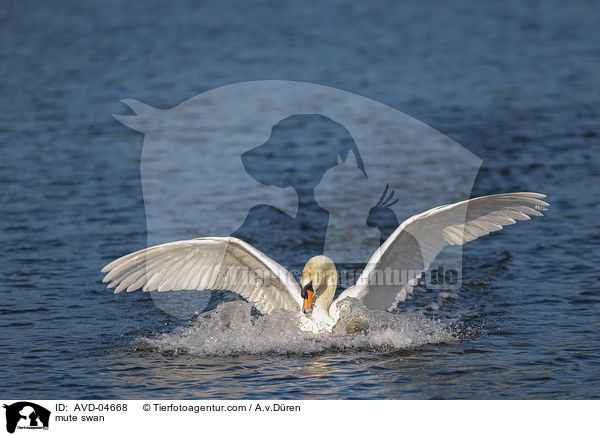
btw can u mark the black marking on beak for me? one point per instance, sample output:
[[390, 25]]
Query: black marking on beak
[[307, 287]]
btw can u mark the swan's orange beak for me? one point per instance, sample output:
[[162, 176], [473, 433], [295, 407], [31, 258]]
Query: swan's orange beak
[[307, 305]]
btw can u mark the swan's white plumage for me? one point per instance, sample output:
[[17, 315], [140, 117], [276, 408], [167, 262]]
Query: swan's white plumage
[[212, 263], [414, 245], [207, 263]]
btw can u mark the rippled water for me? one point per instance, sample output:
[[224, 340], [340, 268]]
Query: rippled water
[[515, 83]]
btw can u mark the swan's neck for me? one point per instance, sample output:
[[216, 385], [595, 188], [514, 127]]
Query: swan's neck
[[325, 299], [320, 273]]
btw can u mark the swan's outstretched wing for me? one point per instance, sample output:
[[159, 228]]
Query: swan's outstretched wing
[[208, 263], [417, 241]]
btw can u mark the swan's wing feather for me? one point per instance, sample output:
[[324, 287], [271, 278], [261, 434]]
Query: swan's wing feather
[[417, 241], [207, 263]]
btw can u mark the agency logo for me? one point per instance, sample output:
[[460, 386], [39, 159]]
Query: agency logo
[[26, 415], [297, 169]]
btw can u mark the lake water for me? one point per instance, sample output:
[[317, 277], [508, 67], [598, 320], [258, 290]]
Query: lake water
[[515, 83]]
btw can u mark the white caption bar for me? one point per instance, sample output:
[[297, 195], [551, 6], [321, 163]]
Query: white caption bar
[[166, 417]]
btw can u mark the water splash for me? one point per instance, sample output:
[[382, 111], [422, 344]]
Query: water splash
[[233, 329]]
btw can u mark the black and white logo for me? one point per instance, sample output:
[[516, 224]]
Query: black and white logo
[[26, 415]]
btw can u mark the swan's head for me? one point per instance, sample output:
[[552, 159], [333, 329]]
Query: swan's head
[[319, 282]]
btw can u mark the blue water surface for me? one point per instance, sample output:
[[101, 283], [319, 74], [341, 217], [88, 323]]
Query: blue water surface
[[514, 82]]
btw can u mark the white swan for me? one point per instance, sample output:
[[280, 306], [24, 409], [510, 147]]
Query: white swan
[[227, 263]]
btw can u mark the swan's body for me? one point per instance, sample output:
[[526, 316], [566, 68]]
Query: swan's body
[[227, 263]]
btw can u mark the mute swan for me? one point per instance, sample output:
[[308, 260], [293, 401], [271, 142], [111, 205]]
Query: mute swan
[[227, 263]]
